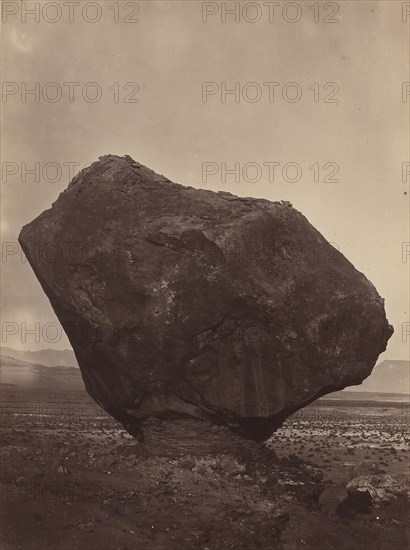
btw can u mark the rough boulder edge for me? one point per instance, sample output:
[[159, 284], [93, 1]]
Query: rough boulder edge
[[183, 303]]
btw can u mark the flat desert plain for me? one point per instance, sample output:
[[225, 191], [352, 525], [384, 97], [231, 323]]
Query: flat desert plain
[[71, 477]]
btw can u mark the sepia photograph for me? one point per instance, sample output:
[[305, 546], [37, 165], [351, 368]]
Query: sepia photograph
[[205, 251]]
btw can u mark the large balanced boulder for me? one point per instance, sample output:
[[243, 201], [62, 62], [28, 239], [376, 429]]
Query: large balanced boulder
[[185, 303]]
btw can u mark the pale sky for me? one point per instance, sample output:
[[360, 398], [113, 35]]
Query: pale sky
[[169, 53]]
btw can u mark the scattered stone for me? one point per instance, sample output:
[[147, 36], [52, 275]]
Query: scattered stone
[[230, 465], [364, 468], [62, 469], [365, 493], [281, 516], [381, 488]]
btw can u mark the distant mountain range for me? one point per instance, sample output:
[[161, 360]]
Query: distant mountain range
[[55, 368], [23, 374], [389, 376], [46, 357], [381, 397]]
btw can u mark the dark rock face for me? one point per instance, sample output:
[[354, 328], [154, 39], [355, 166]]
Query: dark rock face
[[185, 303]]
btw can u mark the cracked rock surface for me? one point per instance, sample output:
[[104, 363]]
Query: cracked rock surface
[[183, 303]]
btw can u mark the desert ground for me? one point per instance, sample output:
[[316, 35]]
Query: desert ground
[[71, 477]]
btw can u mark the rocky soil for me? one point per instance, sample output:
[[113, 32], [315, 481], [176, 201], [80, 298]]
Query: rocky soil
[[72, 477]]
